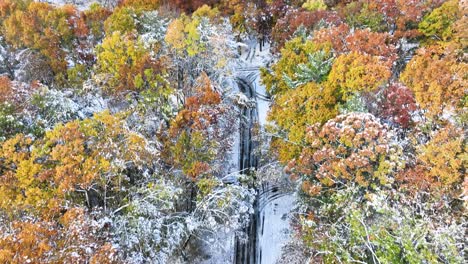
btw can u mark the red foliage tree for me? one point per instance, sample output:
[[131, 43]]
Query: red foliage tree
[[397, 105], [290, 23], [345, 40], [189, 6], [6, 90]]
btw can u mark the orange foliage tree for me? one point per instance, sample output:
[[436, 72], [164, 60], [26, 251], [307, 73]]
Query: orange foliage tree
[[349, 149], [345, 40], [196, 132], [438, 77], [292, 21], [83, 161], [74, 238]]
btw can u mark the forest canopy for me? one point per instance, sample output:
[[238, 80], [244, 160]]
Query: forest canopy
[[125, 127]]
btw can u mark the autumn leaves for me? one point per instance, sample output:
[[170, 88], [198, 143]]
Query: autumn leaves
[[368, 143]]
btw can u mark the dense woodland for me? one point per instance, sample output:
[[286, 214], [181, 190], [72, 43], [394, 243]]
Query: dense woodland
[[118, 120]]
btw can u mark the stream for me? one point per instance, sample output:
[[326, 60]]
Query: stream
[[268, 228]]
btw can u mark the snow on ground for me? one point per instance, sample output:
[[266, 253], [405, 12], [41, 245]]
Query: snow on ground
[[275, 230], [221, 253]]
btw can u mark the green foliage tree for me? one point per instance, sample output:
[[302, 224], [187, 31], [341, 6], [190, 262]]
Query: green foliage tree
[[296, 53], [439, 23], [121, 20]]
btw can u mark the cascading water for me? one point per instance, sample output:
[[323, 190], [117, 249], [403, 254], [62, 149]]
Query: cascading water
[[245, 251], [269, 225]]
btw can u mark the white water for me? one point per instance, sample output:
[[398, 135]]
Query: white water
[[273, 223], [276, 228]]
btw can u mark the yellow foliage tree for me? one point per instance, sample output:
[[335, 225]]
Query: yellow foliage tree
[[294, 110], [445, 156], [183, 33], [355, 72], [70, 160], [141, 4], [23, 181], [122, 20], [175, 33], [125, 64]]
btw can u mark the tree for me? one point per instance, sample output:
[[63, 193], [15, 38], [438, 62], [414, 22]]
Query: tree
[[295, 110], [361, 14], [7, 7], [334, 36], [6, 91], [296, 21], [197, 136], [75, 237], [437, 78], [444, 156], [347, 171], [126, 65], [315, 70], [296, 52], [199, 44], [349, 149], [84, 161], [59, 36], [122, 20], [344, 40], [100, 164], [235, 9], [146, 5], [175, 36], [43, 28], [185, 36], [313, 5], [398, 104], [21, 185], [399, 17], [439, 23], [189, 6], [355, 72], [372, 43], [154, 228], [94, 17]]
